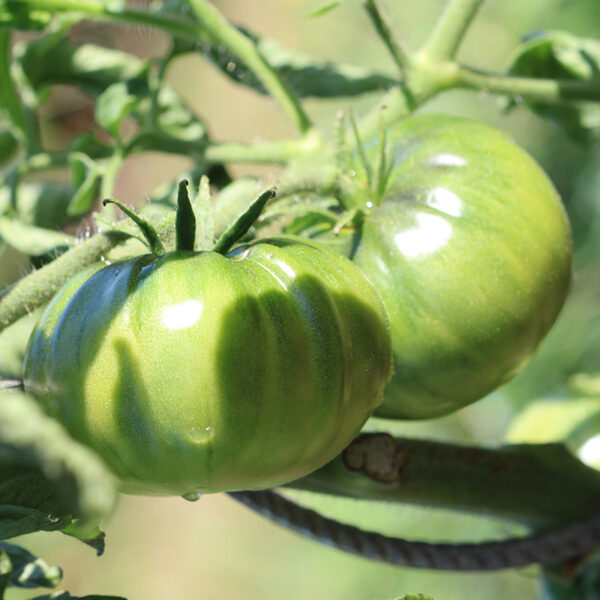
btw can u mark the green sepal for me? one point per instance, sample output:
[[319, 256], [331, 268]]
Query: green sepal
[[243, 223], [362, 155], [185, 221], [152, 239]]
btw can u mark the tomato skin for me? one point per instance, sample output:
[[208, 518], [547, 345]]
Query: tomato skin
[[470, 251], [197, 372]]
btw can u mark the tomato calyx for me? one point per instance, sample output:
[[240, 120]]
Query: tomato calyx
[[186, 223], [152, 240], [243, 223], [367, 173]]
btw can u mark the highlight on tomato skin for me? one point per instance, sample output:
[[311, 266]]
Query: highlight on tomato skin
[[470, 249], [196, 372]]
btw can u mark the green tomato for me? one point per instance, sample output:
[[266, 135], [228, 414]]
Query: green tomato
[[470, 249], [196, 372]]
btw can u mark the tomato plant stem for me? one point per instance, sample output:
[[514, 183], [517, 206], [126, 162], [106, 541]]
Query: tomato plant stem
[[449, 31], [10, 102], [544, 90], [39, 286], [222, 32], [384, 29], [539, 485]]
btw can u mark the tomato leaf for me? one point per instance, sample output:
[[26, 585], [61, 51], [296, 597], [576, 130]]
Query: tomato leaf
[[307, 76], [53, 59], [46, 478], [561, 56], [40, 203], [9, 145], [85, 175], [116, 103], [5, 572], [177, 119], [32, 240], [29, 571], [91, 537], [16, 15]]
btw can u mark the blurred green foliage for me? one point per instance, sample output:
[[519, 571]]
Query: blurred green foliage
[[166, 548]]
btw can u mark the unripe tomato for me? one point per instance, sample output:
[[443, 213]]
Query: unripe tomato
[[470, 249], [196, 372]]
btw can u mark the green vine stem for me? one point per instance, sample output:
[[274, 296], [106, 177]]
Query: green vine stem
[[550, 91], [449, 31], [39, 286], [223, 32], [98, 11], [386, 33], [10, 102], [539, 485], [279, 152]]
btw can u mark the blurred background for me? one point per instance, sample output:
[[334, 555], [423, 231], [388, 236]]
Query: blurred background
[[168, 548]]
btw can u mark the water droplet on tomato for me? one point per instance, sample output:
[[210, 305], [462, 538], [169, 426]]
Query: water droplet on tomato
[[199, 435], [192, 496]]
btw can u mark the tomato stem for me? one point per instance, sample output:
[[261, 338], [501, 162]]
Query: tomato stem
[[185, 222], [153, 241], [243, 223]]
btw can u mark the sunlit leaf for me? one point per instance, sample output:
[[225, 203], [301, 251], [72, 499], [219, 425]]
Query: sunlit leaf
[[17, 15], [53, 59], [42, 203], [563, 57], [85, 176], [116, 103], [32, 240], [305, 75], [29, 571], [46, 478]]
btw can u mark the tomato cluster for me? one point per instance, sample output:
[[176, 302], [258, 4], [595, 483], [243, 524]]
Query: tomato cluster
[[198, 372]]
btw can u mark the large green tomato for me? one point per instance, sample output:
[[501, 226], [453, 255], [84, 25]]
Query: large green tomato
[[470, 250], [196, 372]]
